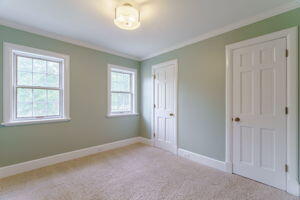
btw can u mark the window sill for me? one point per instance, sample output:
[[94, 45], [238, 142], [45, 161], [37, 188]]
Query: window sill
[[45, 121], [121, 115]]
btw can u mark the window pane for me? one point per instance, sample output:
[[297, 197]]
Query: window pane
[[24, 109], [24, 64], [39, 79], [39, 66], [24, 78], [120, 102], [52, 80], [120, 82], [24, 102], [53, 68], [39, 102], [39, 109], [53, 108], [24, 95], [53, 96], [39, 95], [53, 102]]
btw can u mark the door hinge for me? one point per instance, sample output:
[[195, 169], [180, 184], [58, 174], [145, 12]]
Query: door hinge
[[286, 168], [286, 110], [286, 53], [154, 106], [154, 76], [153, 134]]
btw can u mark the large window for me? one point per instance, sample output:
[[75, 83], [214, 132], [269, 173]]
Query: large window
[[36, 85], [122, 91]]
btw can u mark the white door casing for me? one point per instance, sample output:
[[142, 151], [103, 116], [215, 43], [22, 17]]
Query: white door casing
[[164, 126], [257, 92]]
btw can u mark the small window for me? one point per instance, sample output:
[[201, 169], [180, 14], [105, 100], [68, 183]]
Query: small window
[[36, 86], [122, 91]]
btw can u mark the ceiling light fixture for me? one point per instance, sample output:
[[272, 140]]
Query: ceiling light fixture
[[127, 17]]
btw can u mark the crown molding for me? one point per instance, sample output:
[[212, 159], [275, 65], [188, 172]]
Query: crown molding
[[52, 35], [273, 12], [284, 8]]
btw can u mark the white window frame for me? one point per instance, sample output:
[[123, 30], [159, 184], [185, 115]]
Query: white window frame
[[133, 72], [10, 51]]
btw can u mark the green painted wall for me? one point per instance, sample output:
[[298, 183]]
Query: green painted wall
[[88, 126], [201, 100]]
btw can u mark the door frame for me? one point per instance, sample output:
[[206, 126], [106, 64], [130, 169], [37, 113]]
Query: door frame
[[291, 35], [154, 67]]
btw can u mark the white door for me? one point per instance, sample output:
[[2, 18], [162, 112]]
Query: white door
[[259, 102], [165, 80]]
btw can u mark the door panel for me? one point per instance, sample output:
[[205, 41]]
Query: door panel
[[164, 100], [247, 92], [246, 145], [161, 129], [267, 145], [267, 83], [170, 131], [259, 100]]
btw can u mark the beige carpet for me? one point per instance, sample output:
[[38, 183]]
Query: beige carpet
[[134, 172]]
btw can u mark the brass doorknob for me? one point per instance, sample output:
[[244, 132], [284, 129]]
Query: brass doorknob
[[237, 119], [171, 114]]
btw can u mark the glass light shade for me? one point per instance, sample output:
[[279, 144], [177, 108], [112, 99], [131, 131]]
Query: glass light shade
[[127, 17]]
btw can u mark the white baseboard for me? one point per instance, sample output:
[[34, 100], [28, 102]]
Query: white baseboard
[[293, 187], [43, 162], [229, 167], [203, 160]]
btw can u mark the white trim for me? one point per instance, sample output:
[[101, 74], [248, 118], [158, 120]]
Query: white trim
[[56, 36], [134, 85], [204, 160], [174, 62], [264, 15], [122, 115], [9, 50], [44, 121], [291, 35], [51, 160]]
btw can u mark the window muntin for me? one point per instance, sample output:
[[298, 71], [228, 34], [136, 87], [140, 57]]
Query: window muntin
[[37, 87], [122, 97], [37, 72]]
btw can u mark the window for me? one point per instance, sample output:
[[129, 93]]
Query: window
[[122, 98], [36, 86]]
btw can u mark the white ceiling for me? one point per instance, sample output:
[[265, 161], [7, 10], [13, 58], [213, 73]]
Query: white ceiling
[[164, 23]]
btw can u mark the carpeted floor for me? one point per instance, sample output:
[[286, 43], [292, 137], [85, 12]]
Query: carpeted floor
[[136, 172]]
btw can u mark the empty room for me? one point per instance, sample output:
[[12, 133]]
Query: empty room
[[149, 100]]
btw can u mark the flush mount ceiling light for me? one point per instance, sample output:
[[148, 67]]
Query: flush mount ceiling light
[[127, 17]]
